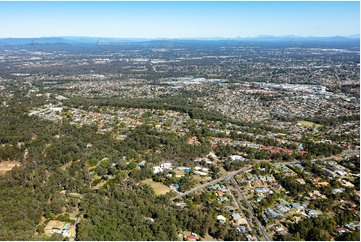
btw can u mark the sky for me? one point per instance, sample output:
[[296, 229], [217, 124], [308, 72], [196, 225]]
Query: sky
[[178, 19]]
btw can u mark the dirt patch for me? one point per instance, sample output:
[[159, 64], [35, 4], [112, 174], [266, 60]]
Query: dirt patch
[[99, 185], [7, 166], [65, 166]]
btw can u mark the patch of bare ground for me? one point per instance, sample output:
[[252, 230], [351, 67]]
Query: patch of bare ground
[[7, 166]]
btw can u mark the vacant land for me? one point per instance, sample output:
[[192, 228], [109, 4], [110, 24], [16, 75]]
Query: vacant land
[[309, 124], [159, 188], [7, 166]]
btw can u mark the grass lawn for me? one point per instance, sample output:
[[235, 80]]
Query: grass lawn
[[181, 173], [159, 188], [53, 224], [72, 216], [197, 177], [309, 124], [223, 171], [72, 231], [238, 177]]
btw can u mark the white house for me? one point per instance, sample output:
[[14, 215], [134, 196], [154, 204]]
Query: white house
[[157, 169], [201, 173], [236, 158], [221, 218], [166, 166]]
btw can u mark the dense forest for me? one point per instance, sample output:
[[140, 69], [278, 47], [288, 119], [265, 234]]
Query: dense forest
[[133, 212], [32, 189], [317, 229]]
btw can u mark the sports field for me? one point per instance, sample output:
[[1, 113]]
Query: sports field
[[309, 124]]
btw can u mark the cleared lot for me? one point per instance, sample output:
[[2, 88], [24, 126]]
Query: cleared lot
[[7, 166], [159, 188]]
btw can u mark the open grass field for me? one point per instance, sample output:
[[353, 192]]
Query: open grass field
[[197, 177], [159, 188], [222, 171], [7, 166], [53, 224], [309, 124], [179, 173]]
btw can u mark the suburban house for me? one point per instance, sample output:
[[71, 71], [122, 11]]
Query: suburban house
[[311, 213], [221, 218], [237, 158]]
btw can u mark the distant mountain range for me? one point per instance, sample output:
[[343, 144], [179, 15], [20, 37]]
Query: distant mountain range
[[94, 40]]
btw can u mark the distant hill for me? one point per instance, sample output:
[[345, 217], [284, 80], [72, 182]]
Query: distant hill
[[85, 44], [94, 40]]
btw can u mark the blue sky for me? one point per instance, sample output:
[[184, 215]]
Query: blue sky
[[178, 19]]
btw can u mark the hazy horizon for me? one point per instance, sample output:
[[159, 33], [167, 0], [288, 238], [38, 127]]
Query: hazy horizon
[[178, 19], [185, 38]]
